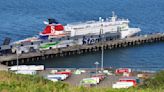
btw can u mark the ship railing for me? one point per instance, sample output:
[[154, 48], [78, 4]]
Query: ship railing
[[123, 20], [81, 23], [118, 19], [97, 24]]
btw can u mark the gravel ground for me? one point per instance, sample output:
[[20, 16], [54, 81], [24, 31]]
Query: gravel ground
[[74, 80]]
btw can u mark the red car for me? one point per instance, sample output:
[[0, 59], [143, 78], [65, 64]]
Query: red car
[[122, 70], [67, 73]]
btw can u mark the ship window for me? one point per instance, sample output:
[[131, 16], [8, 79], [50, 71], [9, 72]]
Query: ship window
[[22, 52], [32, 43], [41, 42], [21, 44], [118, 36], [64, 38], [68, 38], [59, 49], [15, 52], [111, 38], [50, 40], [31, 49]]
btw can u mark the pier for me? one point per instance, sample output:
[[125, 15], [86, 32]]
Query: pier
[[10, 59]]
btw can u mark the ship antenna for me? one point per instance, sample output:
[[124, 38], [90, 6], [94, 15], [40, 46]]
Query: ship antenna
[[114, 17], [113, 13], [100, 19]]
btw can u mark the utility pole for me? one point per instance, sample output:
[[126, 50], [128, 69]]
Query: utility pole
[[17, 56], [102, 58], [102, 47], [96, 63]]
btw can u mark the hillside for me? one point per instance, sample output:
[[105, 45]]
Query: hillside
[[10, 82]]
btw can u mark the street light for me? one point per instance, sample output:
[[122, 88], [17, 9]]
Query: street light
[[102, 47], [102, 58], [17, 56], [96, 63]]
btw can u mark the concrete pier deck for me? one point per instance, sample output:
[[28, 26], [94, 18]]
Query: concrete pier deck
[[78, 49]]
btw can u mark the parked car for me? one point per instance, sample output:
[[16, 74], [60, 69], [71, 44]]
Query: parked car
[[64, 72], [62, 76], [29, 72]]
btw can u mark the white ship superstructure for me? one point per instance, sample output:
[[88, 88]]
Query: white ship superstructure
[[112, 25]]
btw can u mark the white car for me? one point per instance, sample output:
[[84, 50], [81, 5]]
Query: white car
[[62, 76], [29, 72], [52, 79]]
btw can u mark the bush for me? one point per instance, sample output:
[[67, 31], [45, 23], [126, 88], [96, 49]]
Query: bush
[[10, 82], [155, 82]]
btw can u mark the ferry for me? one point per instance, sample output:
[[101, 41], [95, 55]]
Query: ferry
[[111, 25], [56, 35]]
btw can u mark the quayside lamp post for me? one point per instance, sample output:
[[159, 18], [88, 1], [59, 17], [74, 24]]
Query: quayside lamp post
[[102, 47], [17, 54], [96, 63], [102, 58]]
